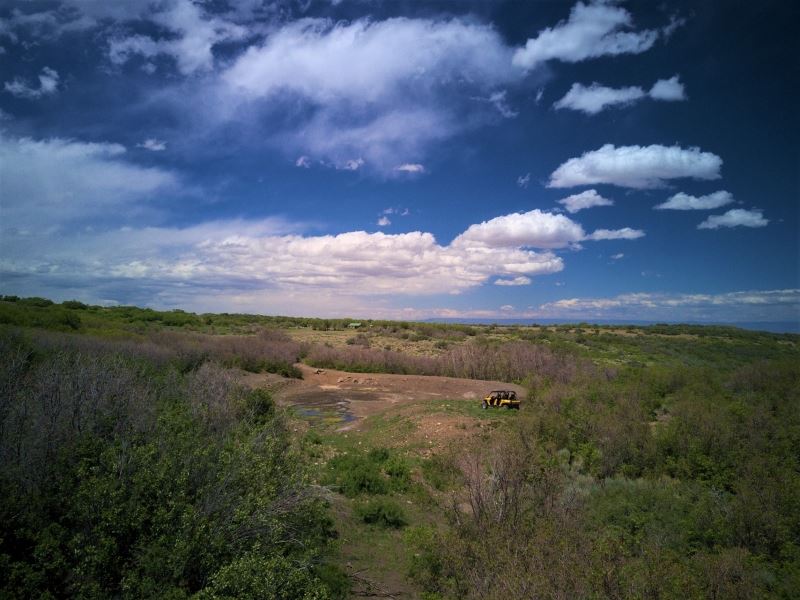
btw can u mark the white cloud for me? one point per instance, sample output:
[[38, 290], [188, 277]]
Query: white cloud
[[361, 96], [524, 180], [246, 256], [153, 144], [681, 201], [359, 61], [533, 229], [196, 35], [757, 305], [384, 221], [596, 98], [593, 99], [586, 199], [498, 100], [385, 140], [121, 49], [303, 161], [521, 280], [56, 180], [638, 167], [626, 233], [736, 217], [403, 212], [592, 30], [507, 308], [536, 229], [668, 89], [410, 168], [353, 164], [48, 85], [617, 256]]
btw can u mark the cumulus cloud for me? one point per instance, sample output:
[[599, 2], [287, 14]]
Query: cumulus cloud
[[617, 256], [681, 201], [524, 180], [153, 144], [668, 89], [586, 199], [303, 161], [536, 229], [736, 217], [56, 180], [596, 98], [521, 280], [638, 167], [384, 221], [236, 256], [592, 30], [48, 85]]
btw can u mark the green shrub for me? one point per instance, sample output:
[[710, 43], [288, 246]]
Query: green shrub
[[399, 473], [146, 481], [355, 475], [336, 580], [74, 304], [382, 512]]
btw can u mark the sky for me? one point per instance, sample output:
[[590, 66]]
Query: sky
[[399, 159]]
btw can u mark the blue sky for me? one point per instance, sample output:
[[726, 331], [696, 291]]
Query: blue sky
[[489, 159]]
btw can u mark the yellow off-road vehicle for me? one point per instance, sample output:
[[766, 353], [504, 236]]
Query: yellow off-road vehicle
[[501, 398]]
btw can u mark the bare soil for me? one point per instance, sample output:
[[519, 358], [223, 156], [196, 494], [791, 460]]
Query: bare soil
[[359, 395]]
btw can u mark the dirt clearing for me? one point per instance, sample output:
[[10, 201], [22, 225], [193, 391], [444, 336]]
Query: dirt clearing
[[354, 396]]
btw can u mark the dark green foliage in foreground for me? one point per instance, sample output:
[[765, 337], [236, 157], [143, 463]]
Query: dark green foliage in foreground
[[663, 483], [122, 478], [383, 512], [377, 472]]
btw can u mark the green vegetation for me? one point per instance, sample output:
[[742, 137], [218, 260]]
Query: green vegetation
[[382, 512], [121, 477], [647, 462], [674, 483]]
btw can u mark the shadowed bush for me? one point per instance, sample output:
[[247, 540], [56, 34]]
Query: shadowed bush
[[123, 477], [382, 512]]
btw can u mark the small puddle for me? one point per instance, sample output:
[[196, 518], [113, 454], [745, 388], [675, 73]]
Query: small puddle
[[323, 408]]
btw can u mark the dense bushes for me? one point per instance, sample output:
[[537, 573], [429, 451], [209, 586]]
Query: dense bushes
[[376, 472], [271, 351], [662, 483], [513, 361], [122, 477]]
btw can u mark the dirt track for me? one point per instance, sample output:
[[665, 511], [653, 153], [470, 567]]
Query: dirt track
[[358, 395]]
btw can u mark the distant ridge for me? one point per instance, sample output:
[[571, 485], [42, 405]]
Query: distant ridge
[[770, 326]]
